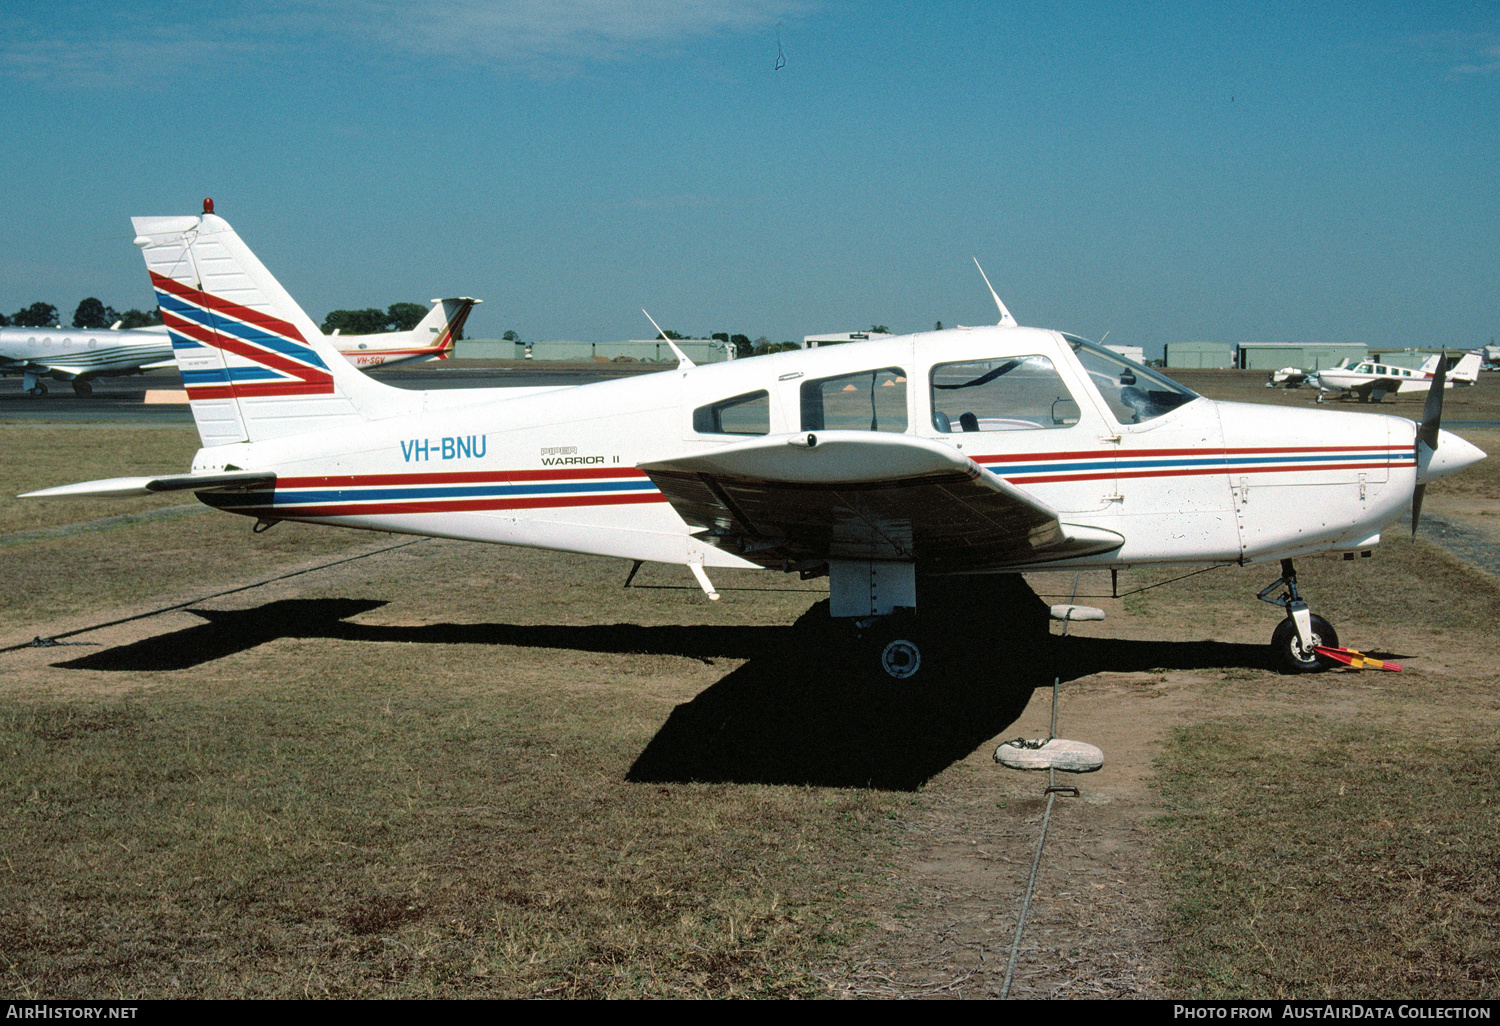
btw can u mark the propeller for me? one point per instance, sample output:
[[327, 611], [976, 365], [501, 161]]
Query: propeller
[[1427, 434]]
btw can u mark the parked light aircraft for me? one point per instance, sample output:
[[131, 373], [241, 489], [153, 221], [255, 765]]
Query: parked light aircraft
[[431, 339], [78, 355], [1372, 380], [1287, 377], [968, 451]]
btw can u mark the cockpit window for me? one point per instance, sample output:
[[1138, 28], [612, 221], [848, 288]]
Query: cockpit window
[[867, 401], [1017, 393], [1134, 393], [748, 414]]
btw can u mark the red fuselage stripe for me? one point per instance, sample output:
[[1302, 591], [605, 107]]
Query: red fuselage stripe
[[455, 477], [1094, 454], [1197, 472]]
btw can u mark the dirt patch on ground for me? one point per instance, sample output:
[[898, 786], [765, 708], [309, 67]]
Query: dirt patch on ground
[[1093, 926], [1098, 924]]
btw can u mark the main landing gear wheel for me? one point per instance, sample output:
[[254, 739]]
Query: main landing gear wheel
[[901, 658], [892, 646], [82, 388], [37, 390], [1296, 659]]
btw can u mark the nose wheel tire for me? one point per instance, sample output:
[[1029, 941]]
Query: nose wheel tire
[[37, 390], [1288, 646]]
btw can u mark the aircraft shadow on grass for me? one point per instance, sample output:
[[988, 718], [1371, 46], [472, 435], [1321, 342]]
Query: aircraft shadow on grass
[[802, 709]]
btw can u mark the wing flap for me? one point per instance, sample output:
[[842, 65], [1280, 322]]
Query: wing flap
[[865, 496]]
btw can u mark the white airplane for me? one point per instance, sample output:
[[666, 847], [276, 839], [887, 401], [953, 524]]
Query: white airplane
[[1373, 381], [1287, 377], [431, 339], [891, 465], [78, 355]]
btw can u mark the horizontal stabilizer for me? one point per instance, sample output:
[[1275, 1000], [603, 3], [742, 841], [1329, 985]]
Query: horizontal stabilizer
[[863, 495], [124, 486]]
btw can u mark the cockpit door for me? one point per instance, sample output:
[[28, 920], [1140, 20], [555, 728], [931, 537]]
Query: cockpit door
[[1024, 417], [1173, 489]]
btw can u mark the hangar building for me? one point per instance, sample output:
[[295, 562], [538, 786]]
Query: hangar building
[[1412, 358], [643, 350], [1200, 354], [1308, 356]]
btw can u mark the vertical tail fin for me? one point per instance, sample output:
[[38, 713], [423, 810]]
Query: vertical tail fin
[[253, 363], [455, 314], [443, 326], [1466, 370]]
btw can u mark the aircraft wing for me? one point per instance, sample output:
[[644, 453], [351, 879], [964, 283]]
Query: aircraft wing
[[123, 486], [862, 495]]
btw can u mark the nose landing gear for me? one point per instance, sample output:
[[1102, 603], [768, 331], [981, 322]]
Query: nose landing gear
[[1296, 637]]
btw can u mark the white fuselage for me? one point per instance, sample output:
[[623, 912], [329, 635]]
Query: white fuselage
[[68, 353], [1371, 376], [1204, 482], [1406, 379]]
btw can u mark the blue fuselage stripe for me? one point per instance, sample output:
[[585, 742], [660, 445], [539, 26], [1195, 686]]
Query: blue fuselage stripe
[[298, 496], [1126, 462]]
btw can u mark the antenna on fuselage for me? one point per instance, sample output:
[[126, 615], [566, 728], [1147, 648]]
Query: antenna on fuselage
[[1006, 320], [682, 358]]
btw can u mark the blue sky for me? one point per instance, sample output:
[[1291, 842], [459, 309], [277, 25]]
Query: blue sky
[[1162, 171]]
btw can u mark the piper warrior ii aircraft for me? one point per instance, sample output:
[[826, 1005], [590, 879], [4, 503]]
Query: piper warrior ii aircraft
[[1373, 381], [968, 451]]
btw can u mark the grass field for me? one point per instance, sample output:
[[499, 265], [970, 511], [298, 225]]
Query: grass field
[[456, 770]]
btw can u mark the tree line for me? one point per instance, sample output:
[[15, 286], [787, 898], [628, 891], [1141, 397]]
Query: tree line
[[373, 320], [91, 313]]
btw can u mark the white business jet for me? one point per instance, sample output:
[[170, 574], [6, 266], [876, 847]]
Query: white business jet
[[78, 355], [968, 451]]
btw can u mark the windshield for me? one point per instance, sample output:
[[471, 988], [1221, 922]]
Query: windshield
[[1134, 393]]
